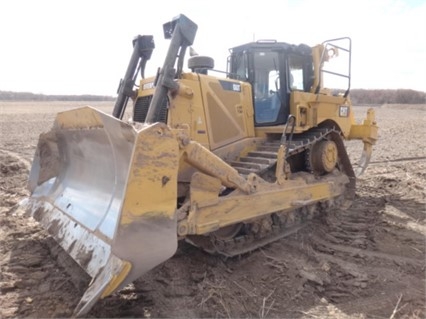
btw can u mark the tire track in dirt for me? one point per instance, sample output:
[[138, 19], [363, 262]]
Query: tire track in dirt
[[30, 260], [351, 244], [340, 266], [18, 158], [13, 172]]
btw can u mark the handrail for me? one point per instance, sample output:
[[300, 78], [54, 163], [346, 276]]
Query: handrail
[[327, 44]]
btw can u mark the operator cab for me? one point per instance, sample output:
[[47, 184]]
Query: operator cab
[[274, 69]]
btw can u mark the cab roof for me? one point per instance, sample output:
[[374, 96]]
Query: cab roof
[[301, 49]]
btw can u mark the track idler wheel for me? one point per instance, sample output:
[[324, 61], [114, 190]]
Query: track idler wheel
[[323, 157], [228, 232]]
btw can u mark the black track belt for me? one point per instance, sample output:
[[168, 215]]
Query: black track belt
[[259, 162]]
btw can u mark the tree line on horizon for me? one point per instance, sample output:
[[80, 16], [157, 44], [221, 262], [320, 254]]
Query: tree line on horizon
[[358, 97], [379, 97], [27, 96]]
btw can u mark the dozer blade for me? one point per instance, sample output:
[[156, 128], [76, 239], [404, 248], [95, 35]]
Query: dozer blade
[[107, 193]]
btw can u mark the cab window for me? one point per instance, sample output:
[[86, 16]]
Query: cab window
[[295, 64], [300, 73]]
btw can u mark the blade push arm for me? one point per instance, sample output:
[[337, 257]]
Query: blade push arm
[[181, 31]]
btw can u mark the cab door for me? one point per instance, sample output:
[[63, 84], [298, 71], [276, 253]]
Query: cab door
[[270, 99]]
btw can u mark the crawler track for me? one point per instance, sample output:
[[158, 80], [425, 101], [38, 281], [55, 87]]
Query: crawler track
[[262, 161]]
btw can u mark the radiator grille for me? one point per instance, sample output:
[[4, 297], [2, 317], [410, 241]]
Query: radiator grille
[[140, 110]]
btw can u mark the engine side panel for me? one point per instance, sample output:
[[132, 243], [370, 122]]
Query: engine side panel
[[218, 111]]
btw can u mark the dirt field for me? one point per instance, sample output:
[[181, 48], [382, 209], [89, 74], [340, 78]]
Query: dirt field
[[364, 262]]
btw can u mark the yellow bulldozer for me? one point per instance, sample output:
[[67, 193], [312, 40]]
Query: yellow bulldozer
[[228, 163]]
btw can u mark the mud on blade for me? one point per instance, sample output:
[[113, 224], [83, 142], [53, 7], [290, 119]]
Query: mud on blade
[[107, 193]]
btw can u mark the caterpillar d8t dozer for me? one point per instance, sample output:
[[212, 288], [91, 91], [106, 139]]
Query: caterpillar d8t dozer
[[228, 163]]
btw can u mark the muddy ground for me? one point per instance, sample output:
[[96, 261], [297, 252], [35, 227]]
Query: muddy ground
[[364, 262]]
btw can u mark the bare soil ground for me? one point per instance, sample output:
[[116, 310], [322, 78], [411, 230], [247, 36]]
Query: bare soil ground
[[364, 262]]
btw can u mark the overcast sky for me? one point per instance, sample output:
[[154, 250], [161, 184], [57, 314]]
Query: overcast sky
[[83, 46]]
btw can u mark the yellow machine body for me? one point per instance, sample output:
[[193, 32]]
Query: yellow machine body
[[118, 195]]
